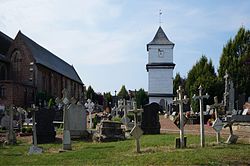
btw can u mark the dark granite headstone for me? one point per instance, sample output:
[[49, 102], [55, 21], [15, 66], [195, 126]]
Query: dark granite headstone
[[45, 128], [150, 119]]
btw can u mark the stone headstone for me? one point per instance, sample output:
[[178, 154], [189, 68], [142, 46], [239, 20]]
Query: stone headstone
[[45, 127], [150, 118], [241, 101], [77, 120], [5, 121]]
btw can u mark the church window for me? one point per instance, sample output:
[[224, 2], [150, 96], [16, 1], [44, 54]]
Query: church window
[[17, 62], [2, 91]]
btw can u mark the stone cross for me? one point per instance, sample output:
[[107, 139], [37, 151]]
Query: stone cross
[[228, 94], [34, 149], [200, 98], [90, 107], [120, 106], [136, 132], [180, 101], [66, 133], [11, 136], [217, 125]]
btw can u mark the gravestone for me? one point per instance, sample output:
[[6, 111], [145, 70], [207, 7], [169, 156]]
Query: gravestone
[[200, 98], [217, 125], [180, 100], [77, 120], [150, 118], [34, 149], [90, 107], [45, 127], [5, 121], [136, 132], [109, 131]]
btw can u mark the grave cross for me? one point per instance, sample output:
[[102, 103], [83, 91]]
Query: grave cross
[[180, 101], [226, 93], [11, 136], [200, 98], [90, 107], [66, 133], [136, 132], [217, 125], [34, 149]]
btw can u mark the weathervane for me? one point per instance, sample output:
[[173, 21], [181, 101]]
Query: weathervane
[[160, 13]]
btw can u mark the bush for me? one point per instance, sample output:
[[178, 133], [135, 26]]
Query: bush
[[29, 130], [116, 119], [24, 130]]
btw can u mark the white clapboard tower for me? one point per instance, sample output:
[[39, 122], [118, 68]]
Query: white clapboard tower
[[160, 69]]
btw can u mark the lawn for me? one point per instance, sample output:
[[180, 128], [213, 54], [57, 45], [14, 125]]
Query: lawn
[[156, 150]]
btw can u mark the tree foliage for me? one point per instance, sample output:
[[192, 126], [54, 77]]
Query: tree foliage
[[107, 98], [233, 58], [178, 81], [123, 93], [141, 98], [203, 74], [91, 94]]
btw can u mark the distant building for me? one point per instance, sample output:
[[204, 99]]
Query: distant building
[[27, 69], [160, 69]]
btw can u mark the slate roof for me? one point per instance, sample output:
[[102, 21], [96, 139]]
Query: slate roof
[[160, 39], [5, 42], [49, 60]]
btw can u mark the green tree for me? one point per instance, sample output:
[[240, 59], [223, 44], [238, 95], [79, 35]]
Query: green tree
[[178, 81], [141, 98], [233, 58], [123, 93], [203, 74], [107, 97], [91, 94]]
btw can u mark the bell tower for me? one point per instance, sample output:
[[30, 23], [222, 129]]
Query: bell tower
[[160, 69]]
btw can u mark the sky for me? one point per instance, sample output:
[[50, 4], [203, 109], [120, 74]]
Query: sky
[[105, 40]]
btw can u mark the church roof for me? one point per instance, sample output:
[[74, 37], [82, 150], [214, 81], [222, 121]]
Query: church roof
[[5, 42], [46, 58], [160, 39]]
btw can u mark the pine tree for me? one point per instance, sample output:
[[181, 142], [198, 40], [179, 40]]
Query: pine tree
[[233, 59]]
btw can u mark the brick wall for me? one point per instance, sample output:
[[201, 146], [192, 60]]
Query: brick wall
[[20, 90]]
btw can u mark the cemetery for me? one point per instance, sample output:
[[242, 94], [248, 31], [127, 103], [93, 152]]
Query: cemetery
[[201, 119]]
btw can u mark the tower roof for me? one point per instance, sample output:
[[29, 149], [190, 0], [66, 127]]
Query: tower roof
[[160, 39]]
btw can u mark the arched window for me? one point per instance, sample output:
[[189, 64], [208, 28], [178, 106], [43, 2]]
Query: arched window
[[16, 59], [162, 103]]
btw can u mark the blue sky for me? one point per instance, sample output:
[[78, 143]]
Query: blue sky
[[105, 40]]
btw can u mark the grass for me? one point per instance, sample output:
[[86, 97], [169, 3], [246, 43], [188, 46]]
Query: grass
[[156, 150]]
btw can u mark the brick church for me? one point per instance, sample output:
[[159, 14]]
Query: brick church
[[27, 69]]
